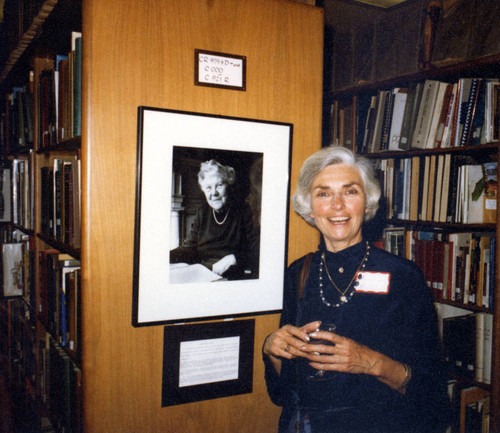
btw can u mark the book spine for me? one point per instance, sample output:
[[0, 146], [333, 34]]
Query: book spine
[[444, 117], [77, 88], [400, 98], [386, 129], [424, 115], [470, 112], [487, 347]]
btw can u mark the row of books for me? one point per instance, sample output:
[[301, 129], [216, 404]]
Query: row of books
[[458, 267], [427, 115], [59, 104], [61, 201], [59, 298], [20, 116], [23, 193], [467, 344], [21, 342], [60, 386], [40, 361], [18, 350], [439, 188], [60, 96]]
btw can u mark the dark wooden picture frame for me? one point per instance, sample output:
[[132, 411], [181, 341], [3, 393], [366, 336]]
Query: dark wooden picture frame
[[170, 141], [205, 380]]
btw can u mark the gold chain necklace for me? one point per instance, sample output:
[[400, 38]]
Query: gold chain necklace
[[343, 298], [215, 217]]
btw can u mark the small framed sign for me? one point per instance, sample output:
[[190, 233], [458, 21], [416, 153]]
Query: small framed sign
[[220, 70], [206, 361]]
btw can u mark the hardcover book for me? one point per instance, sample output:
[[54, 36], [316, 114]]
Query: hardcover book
[[459, 343], [12, 269], [425, 113], [400, 98]]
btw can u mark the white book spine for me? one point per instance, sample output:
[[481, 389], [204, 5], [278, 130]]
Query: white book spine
[[397, 118], [436, 116], [425, 114], [487, 348]]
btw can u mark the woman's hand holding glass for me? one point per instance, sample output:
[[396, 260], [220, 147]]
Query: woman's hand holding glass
[[287, 341], [340, 354]]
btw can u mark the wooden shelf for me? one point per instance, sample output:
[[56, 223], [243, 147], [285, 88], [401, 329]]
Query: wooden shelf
[[470, 307], [481, 149], [448, 227], [61, 246], [470, 381], [69, 145], [29, 232], [463, 69], [27, 38]]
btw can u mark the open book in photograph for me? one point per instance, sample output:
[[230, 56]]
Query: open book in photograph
[[197, 273]]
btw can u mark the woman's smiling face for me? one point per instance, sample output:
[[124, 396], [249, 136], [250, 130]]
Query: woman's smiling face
[[338, 203], [215, 189]]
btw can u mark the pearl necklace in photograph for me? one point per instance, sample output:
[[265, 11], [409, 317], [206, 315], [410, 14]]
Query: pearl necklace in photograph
[[215, 217]]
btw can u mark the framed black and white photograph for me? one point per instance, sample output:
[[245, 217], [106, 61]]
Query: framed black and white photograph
[[211, 216]]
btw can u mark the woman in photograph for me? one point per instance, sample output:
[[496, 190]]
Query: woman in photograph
[[378, 365], [223, 237]]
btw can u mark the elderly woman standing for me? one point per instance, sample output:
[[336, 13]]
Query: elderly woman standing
[[380, 369], [223, 237]]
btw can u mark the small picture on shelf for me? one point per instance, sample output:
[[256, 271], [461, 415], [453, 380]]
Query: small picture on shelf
[[12, 269], [211, 208]]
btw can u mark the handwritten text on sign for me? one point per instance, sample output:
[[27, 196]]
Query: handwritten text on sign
[[220, 70]]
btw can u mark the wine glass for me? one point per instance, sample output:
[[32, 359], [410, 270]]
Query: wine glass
[[322, 374]]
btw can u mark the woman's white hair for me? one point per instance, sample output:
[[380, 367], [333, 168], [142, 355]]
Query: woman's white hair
[[226, 172], [332, 155]]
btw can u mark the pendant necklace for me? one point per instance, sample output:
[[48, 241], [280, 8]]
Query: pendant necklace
[[215, 217], [354, 281]]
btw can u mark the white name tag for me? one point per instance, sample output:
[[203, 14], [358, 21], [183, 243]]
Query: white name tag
[[373, 282]]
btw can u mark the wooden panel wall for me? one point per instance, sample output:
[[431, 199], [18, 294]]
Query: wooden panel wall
[[142, 53]]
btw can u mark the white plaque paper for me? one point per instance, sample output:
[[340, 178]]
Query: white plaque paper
[[208, 361]]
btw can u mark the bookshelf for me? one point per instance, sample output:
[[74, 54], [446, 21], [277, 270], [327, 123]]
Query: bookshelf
[[40, 351], [421, 223], [133, 57]]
